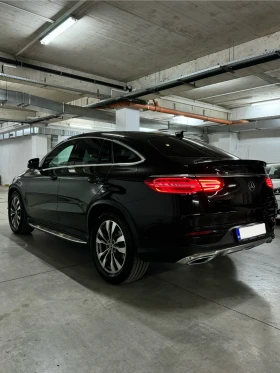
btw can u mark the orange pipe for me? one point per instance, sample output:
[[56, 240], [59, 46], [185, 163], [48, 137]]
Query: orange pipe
[[123, 104]]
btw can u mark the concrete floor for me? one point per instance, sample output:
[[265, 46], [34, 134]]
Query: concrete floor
[[57, 315]]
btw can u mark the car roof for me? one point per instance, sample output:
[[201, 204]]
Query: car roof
[[122, 134]]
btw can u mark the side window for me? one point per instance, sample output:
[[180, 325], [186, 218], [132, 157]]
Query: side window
[[124, 155], [91, 151], [105, 155], [59, 156]]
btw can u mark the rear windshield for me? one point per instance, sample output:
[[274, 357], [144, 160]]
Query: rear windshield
[[175, 147], [273, 171]]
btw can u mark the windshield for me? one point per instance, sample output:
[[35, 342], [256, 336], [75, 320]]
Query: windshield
[[273, 170], [174, 147]]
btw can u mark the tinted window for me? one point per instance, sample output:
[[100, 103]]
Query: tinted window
[[105, 155], [273, 170], [91, 151], [124, 155], [175, 147], [59, 156]]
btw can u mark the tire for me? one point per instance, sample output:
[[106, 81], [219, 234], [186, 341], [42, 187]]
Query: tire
[[115, 259], [17, 215]]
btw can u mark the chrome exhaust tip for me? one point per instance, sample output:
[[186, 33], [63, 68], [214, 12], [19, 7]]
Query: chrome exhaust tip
[[201, 260]]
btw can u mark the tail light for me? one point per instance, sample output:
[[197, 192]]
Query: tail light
[[210, 185], [184, 185], [269, 182]]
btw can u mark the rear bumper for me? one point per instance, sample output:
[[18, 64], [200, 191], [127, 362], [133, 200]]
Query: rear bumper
[[220, 252], [187, 253]]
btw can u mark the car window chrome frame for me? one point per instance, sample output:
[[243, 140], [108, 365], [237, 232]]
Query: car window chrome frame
[[142, 159]]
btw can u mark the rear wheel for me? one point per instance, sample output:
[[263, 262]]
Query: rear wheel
[[17, 215], [113, 252]]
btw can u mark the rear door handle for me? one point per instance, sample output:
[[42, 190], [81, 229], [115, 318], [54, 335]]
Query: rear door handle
[[94, 179]]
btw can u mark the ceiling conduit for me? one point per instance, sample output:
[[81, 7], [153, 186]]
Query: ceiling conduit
[[194, 77], [164, 110], [18, 63]]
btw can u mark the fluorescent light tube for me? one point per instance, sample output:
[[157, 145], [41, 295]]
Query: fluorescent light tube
[[265, 102], [10, 66], [58, 30], [85, 126]]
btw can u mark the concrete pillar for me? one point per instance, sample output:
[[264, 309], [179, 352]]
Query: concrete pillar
[[127, 120], [39, 146]]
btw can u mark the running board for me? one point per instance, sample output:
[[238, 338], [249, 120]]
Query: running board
[[58, 234]]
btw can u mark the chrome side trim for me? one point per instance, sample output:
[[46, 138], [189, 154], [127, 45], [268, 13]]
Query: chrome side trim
[[142, 159], [229, 250], [208, 175], [58, 234], [93, 165]]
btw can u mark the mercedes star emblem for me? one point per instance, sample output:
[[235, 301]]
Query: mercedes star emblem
[[251, 186]]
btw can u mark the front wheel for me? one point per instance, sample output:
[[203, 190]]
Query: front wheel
[[17, 215], [113, 252]]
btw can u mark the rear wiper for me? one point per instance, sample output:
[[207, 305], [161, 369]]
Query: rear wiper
[[202, 159]]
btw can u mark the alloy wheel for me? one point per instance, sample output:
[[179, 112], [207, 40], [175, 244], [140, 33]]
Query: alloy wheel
[[111, 247], [15, 212]]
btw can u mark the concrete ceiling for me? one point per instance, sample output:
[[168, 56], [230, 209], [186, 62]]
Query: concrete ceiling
[[143, 43], [142, 37]]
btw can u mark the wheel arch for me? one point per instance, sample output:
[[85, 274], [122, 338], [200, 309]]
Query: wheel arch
[[103, 206], [14, 188]]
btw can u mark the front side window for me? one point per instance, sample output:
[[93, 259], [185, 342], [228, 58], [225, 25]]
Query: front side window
[[124, 155], [59, 156]]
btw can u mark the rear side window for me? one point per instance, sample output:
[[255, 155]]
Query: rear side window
[[175, 147], [124, 155], [91, 151]]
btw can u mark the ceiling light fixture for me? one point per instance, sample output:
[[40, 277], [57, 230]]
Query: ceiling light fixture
[[10, 66], [180, 119], [265, 102], [58, 30], [85, 126]]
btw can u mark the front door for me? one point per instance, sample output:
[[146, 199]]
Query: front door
[[82, 182], [42, 185]]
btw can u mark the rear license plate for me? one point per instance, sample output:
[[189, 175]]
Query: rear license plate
[[244, 233]]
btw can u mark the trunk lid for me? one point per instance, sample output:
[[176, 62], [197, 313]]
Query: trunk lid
[[245, 196]]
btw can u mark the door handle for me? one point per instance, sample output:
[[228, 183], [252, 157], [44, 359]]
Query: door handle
[[94, 179]]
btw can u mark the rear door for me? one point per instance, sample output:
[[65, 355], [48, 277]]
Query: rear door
[[81, 182]]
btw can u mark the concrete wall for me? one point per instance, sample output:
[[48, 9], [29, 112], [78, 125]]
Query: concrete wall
[[225, 141], [15, 153], [263, 145]]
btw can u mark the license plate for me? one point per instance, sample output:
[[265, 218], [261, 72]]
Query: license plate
[[243, 233]]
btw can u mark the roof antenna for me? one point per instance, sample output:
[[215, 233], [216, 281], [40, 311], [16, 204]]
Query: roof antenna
[[180, 135]]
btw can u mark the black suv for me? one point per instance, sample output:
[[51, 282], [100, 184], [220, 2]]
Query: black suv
[[140, 197]]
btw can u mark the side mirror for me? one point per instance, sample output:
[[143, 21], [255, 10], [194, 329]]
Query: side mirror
[[33, 163]]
